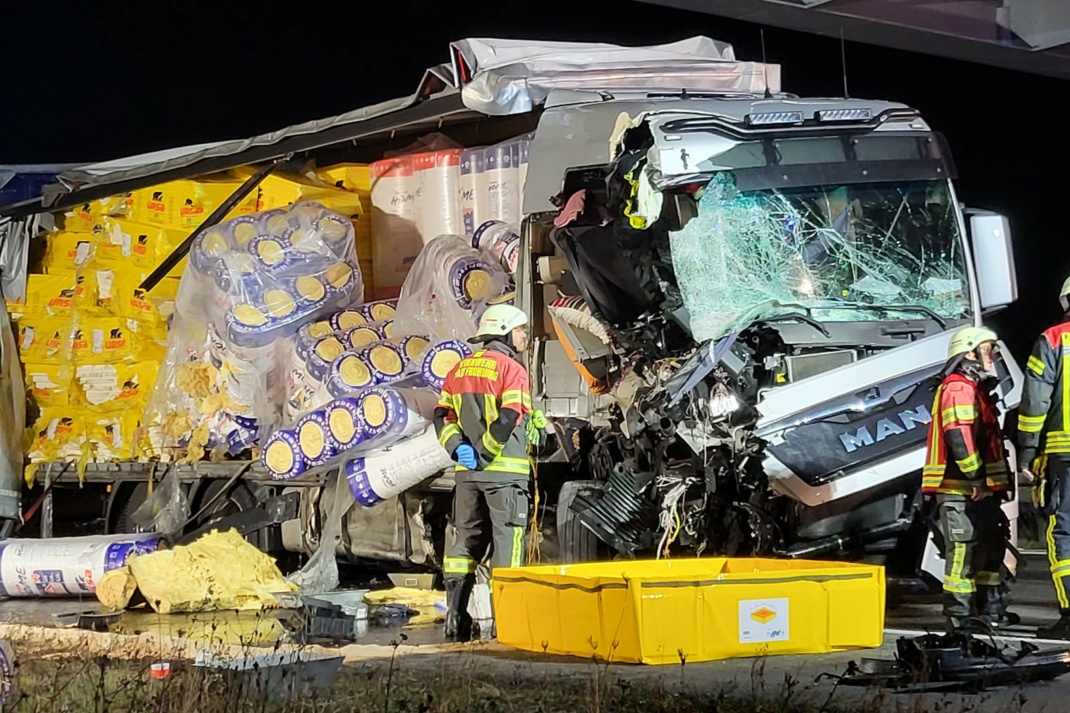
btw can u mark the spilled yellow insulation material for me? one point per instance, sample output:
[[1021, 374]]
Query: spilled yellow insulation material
[[219, 571]]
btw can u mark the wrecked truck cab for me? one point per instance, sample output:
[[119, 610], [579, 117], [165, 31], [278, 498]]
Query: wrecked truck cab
[[774, 283]]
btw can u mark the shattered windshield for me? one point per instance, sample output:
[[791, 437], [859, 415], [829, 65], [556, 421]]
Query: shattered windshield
[[858, 252]]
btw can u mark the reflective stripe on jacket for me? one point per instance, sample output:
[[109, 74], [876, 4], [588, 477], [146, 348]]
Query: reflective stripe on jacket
[[965, 442], [485, 401], [1044, 414]]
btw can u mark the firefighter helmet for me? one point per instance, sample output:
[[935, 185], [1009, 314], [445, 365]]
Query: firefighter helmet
[[968, 339], [500, 320], [1064, 295]]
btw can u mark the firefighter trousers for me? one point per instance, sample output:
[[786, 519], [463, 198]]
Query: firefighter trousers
[[975, 545], [1057, 509], [487, 514]]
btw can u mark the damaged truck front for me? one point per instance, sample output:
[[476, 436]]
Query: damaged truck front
[[760, 292]]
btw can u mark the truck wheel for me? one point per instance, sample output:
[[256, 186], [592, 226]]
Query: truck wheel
[[577, 543], [138, 494]]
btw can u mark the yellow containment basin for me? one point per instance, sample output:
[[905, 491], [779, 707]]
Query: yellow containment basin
[[668, 611]]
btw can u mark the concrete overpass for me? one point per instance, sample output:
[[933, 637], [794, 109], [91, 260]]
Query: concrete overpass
[[1025, 35]]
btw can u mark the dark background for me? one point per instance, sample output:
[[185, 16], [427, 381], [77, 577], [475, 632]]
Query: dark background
[[92, 81]]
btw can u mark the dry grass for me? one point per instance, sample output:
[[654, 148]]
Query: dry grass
[[446, 685]]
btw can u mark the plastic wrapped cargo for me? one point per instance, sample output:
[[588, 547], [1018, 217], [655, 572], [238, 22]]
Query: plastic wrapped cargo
[[261, 277], [370, 419], [475, 204], [397, 240], [66, 566], [440, 359], [438, 181], [499, 242], [382, 474], [243, 352], [447, 290]]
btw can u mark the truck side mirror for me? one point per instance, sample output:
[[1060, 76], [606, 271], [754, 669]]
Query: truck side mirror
[[993, 259]]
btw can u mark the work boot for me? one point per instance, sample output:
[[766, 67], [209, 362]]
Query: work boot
[[458, 621], [1060, 630], [992, 609]]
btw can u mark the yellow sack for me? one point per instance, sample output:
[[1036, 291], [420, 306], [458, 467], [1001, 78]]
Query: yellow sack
[[112, 437], [41, 338], [103, 340], [53, 295], [49, 383]]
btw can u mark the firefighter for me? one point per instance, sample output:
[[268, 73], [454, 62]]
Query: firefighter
[[482, 420], [1044, 431], [967, 472]]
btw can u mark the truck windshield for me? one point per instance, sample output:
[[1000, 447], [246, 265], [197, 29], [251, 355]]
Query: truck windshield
[[834, 253]]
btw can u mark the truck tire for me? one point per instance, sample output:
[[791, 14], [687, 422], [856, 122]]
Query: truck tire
[[577, 543], [128, 503]]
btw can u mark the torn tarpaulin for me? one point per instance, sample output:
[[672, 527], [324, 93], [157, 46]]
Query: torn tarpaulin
[[858, 252]]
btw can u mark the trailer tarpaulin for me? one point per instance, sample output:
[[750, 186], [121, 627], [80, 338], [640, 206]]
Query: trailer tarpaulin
[[501, 77]]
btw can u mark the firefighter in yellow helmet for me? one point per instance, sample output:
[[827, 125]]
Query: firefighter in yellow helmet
[[966, 470], [484, 420], [1044, 449]]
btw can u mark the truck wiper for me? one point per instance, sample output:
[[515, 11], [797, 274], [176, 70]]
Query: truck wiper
[[801, 317], [895, 308]]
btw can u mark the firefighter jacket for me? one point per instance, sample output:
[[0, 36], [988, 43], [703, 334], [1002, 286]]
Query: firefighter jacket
[[486, 401], [965, 447], [1044, 414]]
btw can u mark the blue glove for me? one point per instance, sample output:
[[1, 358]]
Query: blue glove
[[466, 456]]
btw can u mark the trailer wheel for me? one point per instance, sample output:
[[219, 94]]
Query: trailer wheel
[[138, 494], [237, 500], [577, 543]]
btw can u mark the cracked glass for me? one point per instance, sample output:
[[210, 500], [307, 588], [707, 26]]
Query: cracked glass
[[859, 252]]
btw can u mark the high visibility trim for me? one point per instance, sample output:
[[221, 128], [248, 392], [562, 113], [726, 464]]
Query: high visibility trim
[[451, 430], [512, 397], [445, 399], [954, 582], [970, 464], [1031, 424], [1035, 365], [964, 412], [516, 557], [458, 565], [492, 446], [1060, 588], [997, 483], [987, 579], [505, 464], [1066, 383], [963, 586], [954, 487]]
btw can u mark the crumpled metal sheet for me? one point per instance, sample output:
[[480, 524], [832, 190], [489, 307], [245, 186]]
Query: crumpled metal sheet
[[836, 253]]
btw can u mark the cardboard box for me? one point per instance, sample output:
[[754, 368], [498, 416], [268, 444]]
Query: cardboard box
[[279, 190], [353, 177], [543, 326], [186, 204]]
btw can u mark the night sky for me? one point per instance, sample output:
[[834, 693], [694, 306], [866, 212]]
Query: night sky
[[92, 81]]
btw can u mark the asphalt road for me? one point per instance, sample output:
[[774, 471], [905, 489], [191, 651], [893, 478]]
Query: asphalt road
[[1033, 598]]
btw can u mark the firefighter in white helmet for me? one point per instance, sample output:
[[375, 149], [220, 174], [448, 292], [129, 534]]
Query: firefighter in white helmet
[[966, 470], [1044, 449], [484, 421]]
